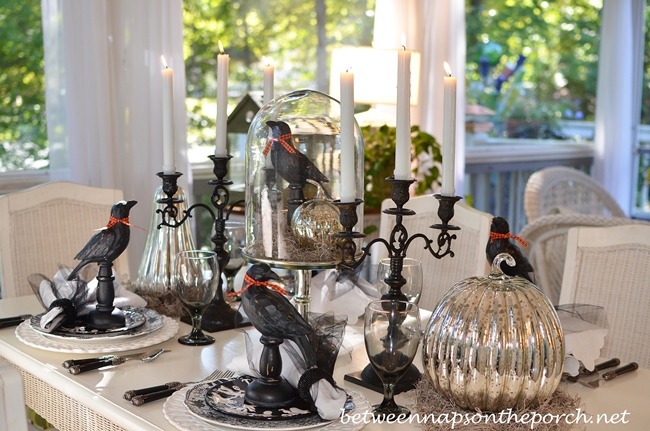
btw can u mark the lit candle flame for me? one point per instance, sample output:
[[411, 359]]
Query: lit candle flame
[[221, 48], [403, 40], [164, 62], [266, 60], [348, 70], [447, 69]]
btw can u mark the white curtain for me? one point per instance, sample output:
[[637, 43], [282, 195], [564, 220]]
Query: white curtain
[[444, 40], [104, 99], [618, 96], [435, 28]]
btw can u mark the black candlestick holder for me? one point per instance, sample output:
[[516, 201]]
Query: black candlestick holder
[[397, 246], [219, 316]]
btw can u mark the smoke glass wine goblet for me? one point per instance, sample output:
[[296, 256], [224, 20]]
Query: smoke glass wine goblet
[[411, 271], [392, 334], [196, 278], [236, 233]]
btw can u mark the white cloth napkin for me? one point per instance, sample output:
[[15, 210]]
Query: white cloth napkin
[[582, 342], [328, 293], [329, 400], [52, 319]]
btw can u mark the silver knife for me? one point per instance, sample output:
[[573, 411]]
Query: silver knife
[[72, 362], [632, 366], [7, 322]]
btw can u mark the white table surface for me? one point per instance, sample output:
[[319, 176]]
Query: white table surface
[[102, 390]]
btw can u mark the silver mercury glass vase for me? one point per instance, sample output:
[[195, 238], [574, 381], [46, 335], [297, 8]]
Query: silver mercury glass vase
[[162, 245], [494, 343]]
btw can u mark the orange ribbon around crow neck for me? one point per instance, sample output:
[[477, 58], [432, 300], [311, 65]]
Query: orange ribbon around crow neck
[[112, 221], [283, 140], [250, 281], [495, 235]]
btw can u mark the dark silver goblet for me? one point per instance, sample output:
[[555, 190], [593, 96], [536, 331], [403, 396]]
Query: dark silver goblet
[[392, 335]]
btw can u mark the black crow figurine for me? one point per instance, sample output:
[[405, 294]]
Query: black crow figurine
[[110, 241], [292, 165], [272, 314], [500, 243]]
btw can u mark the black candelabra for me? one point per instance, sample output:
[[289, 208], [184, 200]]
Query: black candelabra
[[219, 315], [397, 246]]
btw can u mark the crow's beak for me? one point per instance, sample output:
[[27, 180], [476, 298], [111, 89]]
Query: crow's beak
[[130, 204], [271, 123], [270, 275]]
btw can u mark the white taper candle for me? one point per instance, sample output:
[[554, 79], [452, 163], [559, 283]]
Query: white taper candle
[[449, 135], [348, 177], [169, 164], [221, 148], [268, 82], [403, 132]]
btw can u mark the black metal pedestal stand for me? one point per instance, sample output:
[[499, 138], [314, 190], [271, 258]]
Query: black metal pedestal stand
[[397, 247], [219, 316], [105, 315], [271, 390]]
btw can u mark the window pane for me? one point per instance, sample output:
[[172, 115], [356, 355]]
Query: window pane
[[641, 201], [23, 132], [534, 64], [286, 32]]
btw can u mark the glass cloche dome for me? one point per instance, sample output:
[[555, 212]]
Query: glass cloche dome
[[293, 173]]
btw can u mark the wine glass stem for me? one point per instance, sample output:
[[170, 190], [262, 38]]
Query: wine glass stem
[[196, 325], [389, 392], [230, 284]]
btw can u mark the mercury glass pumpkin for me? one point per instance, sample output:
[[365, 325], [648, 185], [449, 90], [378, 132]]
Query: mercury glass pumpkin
[[494, 343], [315, 221], [313, 121]]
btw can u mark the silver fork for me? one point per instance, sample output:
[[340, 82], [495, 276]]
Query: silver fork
[[153, 393]]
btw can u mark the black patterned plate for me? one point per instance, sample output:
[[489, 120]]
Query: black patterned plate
[[197, 405], [228, 397], [139, 321]]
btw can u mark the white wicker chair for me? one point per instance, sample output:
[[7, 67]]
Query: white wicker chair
[[546, 238], [560, 188], [47, 225], [469, 248], [610, 267]]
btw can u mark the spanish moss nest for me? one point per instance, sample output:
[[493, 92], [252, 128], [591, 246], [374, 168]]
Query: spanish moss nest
[[165, 303], [286, 248], [430, 404]]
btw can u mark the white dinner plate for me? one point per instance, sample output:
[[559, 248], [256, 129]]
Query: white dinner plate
[[179, 416], [26, 334]]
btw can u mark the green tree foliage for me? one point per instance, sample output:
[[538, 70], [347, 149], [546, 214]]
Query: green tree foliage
[[379, 162], [284, 31], [560, 39], [23, 133]]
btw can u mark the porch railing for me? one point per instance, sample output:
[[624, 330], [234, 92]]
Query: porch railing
[[496, 171]]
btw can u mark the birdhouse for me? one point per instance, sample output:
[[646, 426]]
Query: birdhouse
[[239, 122], [293, 149]]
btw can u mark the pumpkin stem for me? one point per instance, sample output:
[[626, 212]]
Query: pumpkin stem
[[496, 263]]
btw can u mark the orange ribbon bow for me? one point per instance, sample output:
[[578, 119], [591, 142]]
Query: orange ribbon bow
[[495, 235], [112, 221], [250, 281], [284, 140]]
